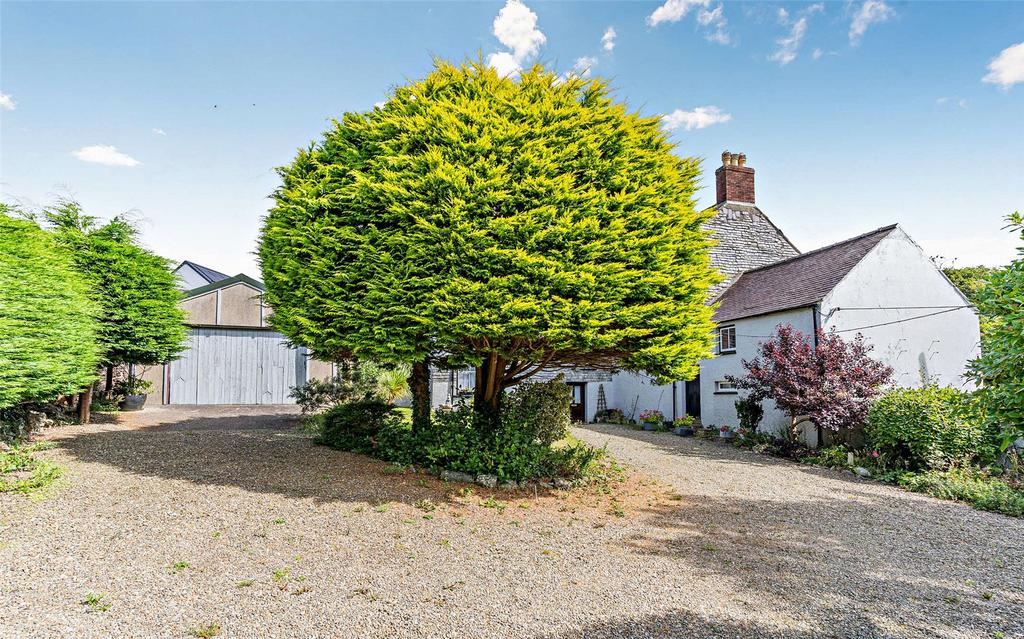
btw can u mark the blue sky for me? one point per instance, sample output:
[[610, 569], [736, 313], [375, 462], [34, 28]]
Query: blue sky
[[855, 114]]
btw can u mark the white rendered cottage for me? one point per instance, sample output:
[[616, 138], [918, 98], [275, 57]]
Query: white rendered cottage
[[879, 284]]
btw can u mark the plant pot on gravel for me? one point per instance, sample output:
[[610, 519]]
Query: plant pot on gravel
[[651, 419], [132, 402], [683, 431]]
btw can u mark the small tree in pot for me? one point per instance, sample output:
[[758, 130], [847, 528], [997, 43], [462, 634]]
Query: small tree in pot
[[830, 383]]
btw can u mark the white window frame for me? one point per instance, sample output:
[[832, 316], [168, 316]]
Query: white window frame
[[725, 387], [722, 330]]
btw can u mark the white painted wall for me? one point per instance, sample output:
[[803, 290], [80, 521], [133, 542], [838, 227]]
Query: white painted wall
[[897, 273], [717, 409], [627, 389]]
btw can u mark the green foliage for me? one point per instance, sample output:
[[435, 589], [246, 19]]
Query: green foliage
[[353, 425], [352, 381], [749, 412], [929, 427], [512, 222], [968, 485], [830, 457], [131, 386], [454, 440], [22, 472], [48, 332], [970, 279], [999, 370], [542, 408], [140, 322]]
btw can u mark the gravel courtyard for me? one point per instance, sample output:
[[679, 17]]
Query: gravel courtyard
[[185, 519]]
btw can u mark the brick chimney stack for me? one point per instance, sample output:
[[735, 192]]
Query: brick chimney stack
[[734, 179]]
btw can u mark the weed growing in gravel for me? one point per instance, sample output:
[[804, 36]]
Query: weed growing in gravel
[[245, 583], [94, 601], [708, 547], [381, 508], [491, 502], [466, 492], [178, 566], [444, 543], [617, 509], [365, 592], [279, 521], [22, 472], [281, 575], [426, 505], [393, 469], [207, 631]]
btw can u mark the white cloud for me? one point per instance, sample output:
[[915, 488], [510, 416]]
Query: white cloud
[[583, 66], [504, 63], [1007, 68], [159, 131], [608, 39], [870, 12], [515, 27], [717, 21], [960, 102], [783, 16], [380, 104], [104, 154], [817, 53], [789, 45], [7, 103], [699, 118], [674, 11]]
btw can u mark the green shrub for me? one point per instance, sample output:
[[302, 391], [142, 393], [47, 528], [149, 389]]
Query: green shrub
[[831, 457], [354, 425], [48, 328], [540, 407], [967, 485], [928, 427], [749, 412]]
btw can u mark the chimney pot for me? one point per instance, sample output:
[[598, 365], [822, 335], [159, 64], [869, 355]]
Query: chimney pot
[[734, 179]]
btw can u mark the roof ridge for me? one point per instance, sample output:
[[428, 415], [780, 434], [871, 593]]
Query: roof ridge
[[880, 229]]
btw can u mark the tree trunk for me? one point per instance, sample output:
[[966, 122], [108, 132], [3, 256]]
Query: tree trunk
[[84, 404], [490, 384], [108, 391], [419, 386]]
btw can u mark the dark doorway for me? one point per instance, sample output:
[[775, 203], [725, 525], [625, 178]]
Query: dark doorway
[[578, 405], [693, 397]]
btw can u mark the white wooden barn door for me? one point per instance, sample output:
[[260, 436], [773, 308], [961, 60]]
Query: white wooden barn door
[[236, 366]]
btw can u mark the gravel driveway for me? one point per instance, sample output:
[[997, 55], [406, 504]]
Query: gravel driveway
[[230, 517]]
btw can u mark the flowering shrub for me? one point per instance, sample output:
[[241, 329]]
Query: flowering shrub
[[652, 416], [683, 422], [724, 428]]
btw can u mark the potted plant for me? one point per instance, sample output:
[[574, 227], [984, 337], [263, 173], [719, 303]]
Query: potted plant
[[683, 426], [725, 432], [651, 419], [132, 390]]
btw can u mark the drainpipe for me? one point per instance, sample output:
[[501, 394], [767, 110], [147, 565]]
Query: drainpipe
[[815, 312], [675, 398]]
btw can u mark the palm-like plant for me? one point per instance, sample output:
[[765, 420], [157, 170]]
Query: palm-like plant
[[393, 383]]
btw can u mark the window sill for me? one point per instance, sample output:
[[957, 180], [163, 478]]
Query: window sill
[[732, 352], [726, 392]]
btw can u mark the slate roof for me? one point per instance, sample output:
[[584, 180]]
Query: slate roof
[[745, 238], [796, 282], [206, 273]]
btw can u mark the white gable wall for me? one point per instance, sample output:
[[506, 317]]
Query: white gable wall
[[717, 409], [897, 273], [639, 389]]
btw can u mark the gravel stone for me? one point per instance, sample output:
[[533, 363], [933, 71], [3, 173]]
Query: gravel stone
[[451, 475], [702, 540]]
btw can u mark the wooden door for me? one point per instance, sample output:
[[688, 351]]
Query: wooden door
[[578, 404]]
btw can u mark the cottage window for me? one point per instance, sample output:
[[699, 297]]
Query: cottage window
[[723, 386], [727, 339]]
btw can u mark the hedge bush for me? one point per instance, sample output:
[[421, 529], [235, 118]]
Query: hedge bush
[[455, 440], [929, 427], [48, 328], [967, 485], [540, 408]]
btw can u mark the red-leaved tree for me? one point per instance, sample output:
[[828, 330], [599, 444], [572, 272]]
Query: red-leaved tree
[[830, 383]]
